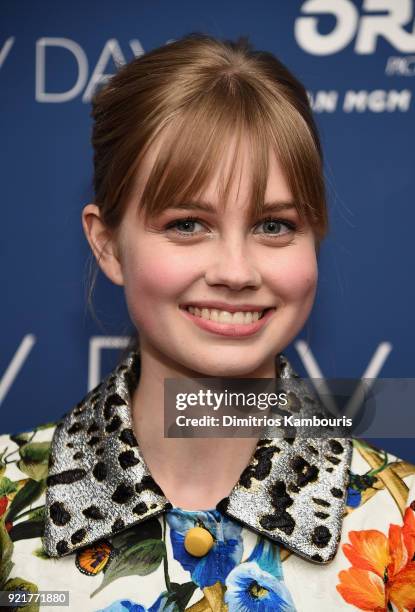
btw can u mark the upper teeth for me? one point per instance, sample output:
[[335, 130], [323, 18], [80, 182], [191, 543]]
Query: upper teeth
[[224, 316]]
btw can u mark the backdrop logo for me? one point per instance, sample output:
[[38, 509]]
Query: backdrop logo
[[86, 78], [85, 81], [378, 19]]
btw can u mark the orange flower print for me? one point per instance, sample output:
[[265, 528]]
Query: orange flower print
[[383, 568]]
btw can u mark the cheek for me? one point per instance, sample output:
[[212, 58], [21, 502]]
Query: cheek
[[297, 278], [153, 279]]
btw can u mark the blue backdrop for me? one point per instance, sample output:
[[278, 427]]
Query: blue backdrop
[[357, 60]]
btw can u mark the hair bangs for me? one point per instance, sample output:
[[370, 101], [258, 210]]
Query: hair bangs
[[192, 150], [301, 162], [234, 117]]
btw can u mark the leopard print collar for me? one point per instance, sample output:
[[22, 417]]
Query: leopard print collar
[[292, 491]]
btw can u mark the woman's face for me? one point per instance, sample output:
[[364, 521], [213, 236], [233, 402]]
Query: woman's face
[[221, 264]]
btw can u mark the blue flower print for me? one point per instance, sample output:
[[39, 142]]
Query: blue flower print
[[354, 497], [249, 588], [225, 553], [267, 555], [162, 604], [126, 605], [123, 605]]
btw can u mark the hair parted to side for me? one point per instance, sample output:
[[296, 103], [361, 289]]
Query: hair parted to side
[[200, 92]]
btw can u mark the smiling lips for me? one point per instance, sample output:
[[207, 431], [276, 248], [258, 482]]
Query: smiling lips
[[228, 320], [224, 316]]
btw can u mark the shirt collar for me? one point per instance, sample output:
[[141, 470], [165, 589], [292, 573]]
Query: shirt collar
[[292, 491]]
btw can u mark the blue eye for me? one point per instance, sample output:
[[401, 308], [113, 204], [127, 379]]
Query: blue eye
[[275, 226], [185, 226]]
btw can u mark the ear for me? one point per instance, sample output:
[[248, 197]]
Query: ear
[[103, 244]]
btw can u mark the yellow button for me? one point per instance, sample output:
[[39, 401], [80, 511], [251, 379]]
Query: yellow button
[[198, 541]]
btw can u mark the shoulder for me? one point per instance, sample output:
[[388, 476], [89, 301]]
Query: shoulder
[[25, 462], [381, 490], [22, 436], [377, 546], [24, 465], [26, 454], [374, 469]]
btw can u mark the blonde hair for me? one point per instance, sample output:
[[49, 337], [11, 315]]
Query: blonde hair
[[198, 93]]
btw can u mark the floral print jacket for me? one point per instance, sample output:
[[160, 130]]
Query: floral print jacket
[[311, 524]]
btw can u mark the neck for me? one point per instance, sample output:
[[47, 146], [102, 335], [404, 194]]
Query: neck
[[194, 473]]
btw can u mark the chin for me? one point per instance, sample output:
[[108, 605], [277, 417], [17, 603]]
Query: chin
[[225, 368]]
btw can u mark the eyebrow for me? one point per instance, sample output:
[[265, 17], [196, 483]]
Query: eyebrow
[[276, 206]]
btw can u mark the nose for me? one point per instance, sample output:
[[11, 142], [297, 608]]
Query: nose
[[233, 266]]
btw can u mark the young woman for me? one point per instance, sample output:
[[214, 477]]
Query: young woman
[[209, 210]]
